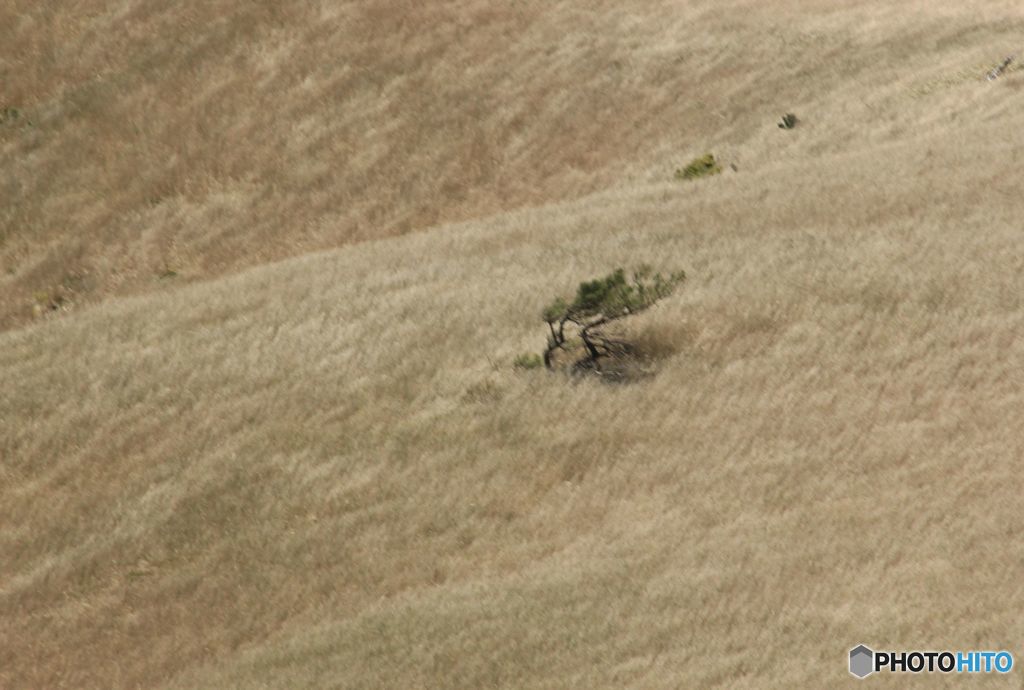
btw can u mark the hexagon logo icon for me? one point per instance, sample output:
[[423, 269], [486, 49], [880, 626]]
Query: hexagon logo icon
[[862, 661]]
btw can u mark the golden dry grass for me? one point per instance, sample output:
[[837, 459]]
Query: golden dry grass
[[324, 472], [208, 136]]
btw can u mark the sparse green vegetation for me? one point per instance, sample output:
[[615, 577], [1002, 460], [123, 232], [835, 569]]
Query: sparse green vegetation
[[528, 360], [704, 166]]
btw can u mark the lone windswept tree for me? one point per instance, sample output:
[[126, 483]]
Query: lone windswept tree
[[580, 325]]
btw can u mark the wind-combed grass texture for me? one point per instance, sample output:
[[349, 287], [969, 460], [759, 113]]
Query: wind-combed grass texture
[[324, 472], [214, 135], [274, 480]]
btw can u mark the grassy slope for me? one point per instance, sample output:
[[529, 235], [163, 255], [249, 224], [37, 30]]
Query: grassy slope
[[324, 471], [208, 136]]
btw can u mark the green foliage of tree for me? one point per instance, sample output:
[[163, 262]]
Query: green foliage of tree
[[556, 310]]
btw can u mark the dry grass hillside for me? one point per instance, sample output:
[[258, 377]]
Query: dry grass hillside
[[158, 143], [325, 472]]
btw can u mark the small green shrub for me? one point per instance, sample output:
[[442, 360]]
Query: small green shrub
[[699, 167], [528, 360]]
